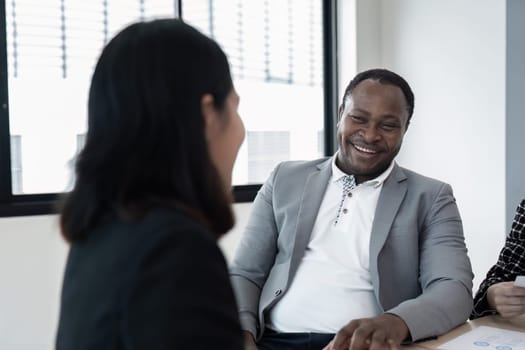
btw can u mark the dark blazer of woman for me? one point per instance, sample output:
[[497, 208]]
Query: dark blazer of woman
[[152, 195], [157, 283]]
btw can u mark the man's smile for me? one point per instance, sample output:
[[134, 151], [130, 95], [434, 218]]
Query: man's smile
[[368, 150], [365, 150]]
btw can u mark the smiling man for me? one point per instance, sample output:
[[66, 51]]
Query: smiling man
[[354, 251]]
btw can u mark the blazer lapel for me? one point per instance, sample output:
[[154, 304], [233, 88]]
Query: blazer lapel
[[392, 194], [313, 192]]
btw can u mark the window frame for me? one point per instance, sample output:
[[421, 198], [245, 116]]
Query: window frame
[[47, 203]]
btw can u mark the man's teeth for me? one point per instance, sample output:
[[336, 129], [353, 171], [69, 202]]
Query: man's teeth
[[366, 150]]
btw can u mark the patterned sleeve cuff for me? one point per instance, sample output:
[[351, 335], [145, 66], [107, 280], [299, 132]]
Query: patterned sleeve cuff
[[481, 306]]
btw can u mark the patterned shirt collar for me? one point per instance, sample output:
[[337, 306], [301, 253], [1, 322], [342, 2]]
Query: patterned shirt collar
[[338, 174]]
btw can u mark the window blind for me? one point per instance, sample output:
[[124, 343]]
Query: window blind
[[268, 40], [64, 37]]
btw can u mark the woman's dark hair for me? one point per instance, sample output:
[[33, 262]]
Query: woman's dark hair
[[145, 145], [384, 76]]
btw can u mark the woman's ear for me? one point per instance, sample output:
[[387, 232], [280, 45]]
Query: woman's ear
[[208, 109], [210, 115]]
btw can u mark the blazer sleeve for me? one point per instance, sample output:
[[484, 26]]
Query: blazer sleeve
[[445, 273], [181, 297], [255, 256], [511, 263]]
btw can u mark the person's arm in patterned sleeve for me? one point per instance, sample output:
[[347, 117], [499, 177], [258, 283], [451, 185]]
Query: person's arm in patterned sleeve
[[497, 293]]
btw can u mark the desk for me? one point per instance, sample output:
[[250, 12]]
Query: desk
[[514, 324]]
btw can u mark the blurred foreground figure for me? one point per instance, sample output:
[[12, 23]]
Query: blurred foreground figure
[[152, 195]]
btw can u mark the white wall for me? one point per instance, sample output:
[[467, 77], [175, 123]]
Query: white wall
[[453, 55], [32, 256], [515, 96]]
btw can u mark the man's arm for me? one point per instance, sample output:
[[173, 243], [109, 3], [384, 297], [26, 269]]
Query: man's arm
[[445, 273], [445, 277], [255, 256]]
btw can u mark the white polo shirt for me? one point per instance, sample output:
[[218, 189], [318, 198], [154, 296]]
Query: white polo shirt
[[332, 285]]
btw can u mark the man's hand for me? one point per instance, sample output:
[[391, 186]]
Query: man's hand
[[507, 299], [385, 332], [249, 342]]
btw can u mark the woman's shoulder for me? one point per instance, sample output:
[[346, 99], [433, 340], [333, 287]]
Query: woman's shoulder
[[172, 228], [168, 221], [129, 242]]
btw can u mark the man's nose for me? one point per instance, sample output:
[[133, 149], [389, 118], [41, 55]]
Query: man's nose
[[371, 134]]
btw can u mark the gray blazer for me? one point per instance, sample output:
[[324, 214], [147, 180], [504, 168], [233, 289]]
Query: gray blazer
[[418, 259]]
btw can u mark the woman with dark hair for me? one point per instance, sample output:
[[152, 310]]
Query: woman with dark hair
[[152, 195], [497, 293]]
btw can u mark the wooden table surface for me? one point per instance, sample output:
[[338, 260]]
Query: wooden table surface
[[513, 324]]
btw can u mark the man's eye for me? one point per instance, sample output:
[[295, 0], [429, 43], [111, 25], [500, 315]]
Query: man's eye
[[390, 127], [357, 118]]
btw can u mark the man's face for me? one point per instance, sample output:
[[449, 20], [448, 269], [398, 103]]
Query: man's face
[[372, 122]]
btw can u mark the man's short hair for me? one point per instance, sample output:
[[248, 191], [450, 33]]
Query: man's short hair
[[384, 76]]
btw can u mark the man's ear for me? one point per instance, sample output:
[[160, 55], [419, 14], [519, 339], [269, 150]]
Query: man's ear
[[340, 113], [406, 125]]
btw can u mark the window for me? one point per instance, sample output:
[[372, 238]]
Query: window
[[16, 163], [265, 150], [275, 48], [320, 143], [81, 141], [280, 51]]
